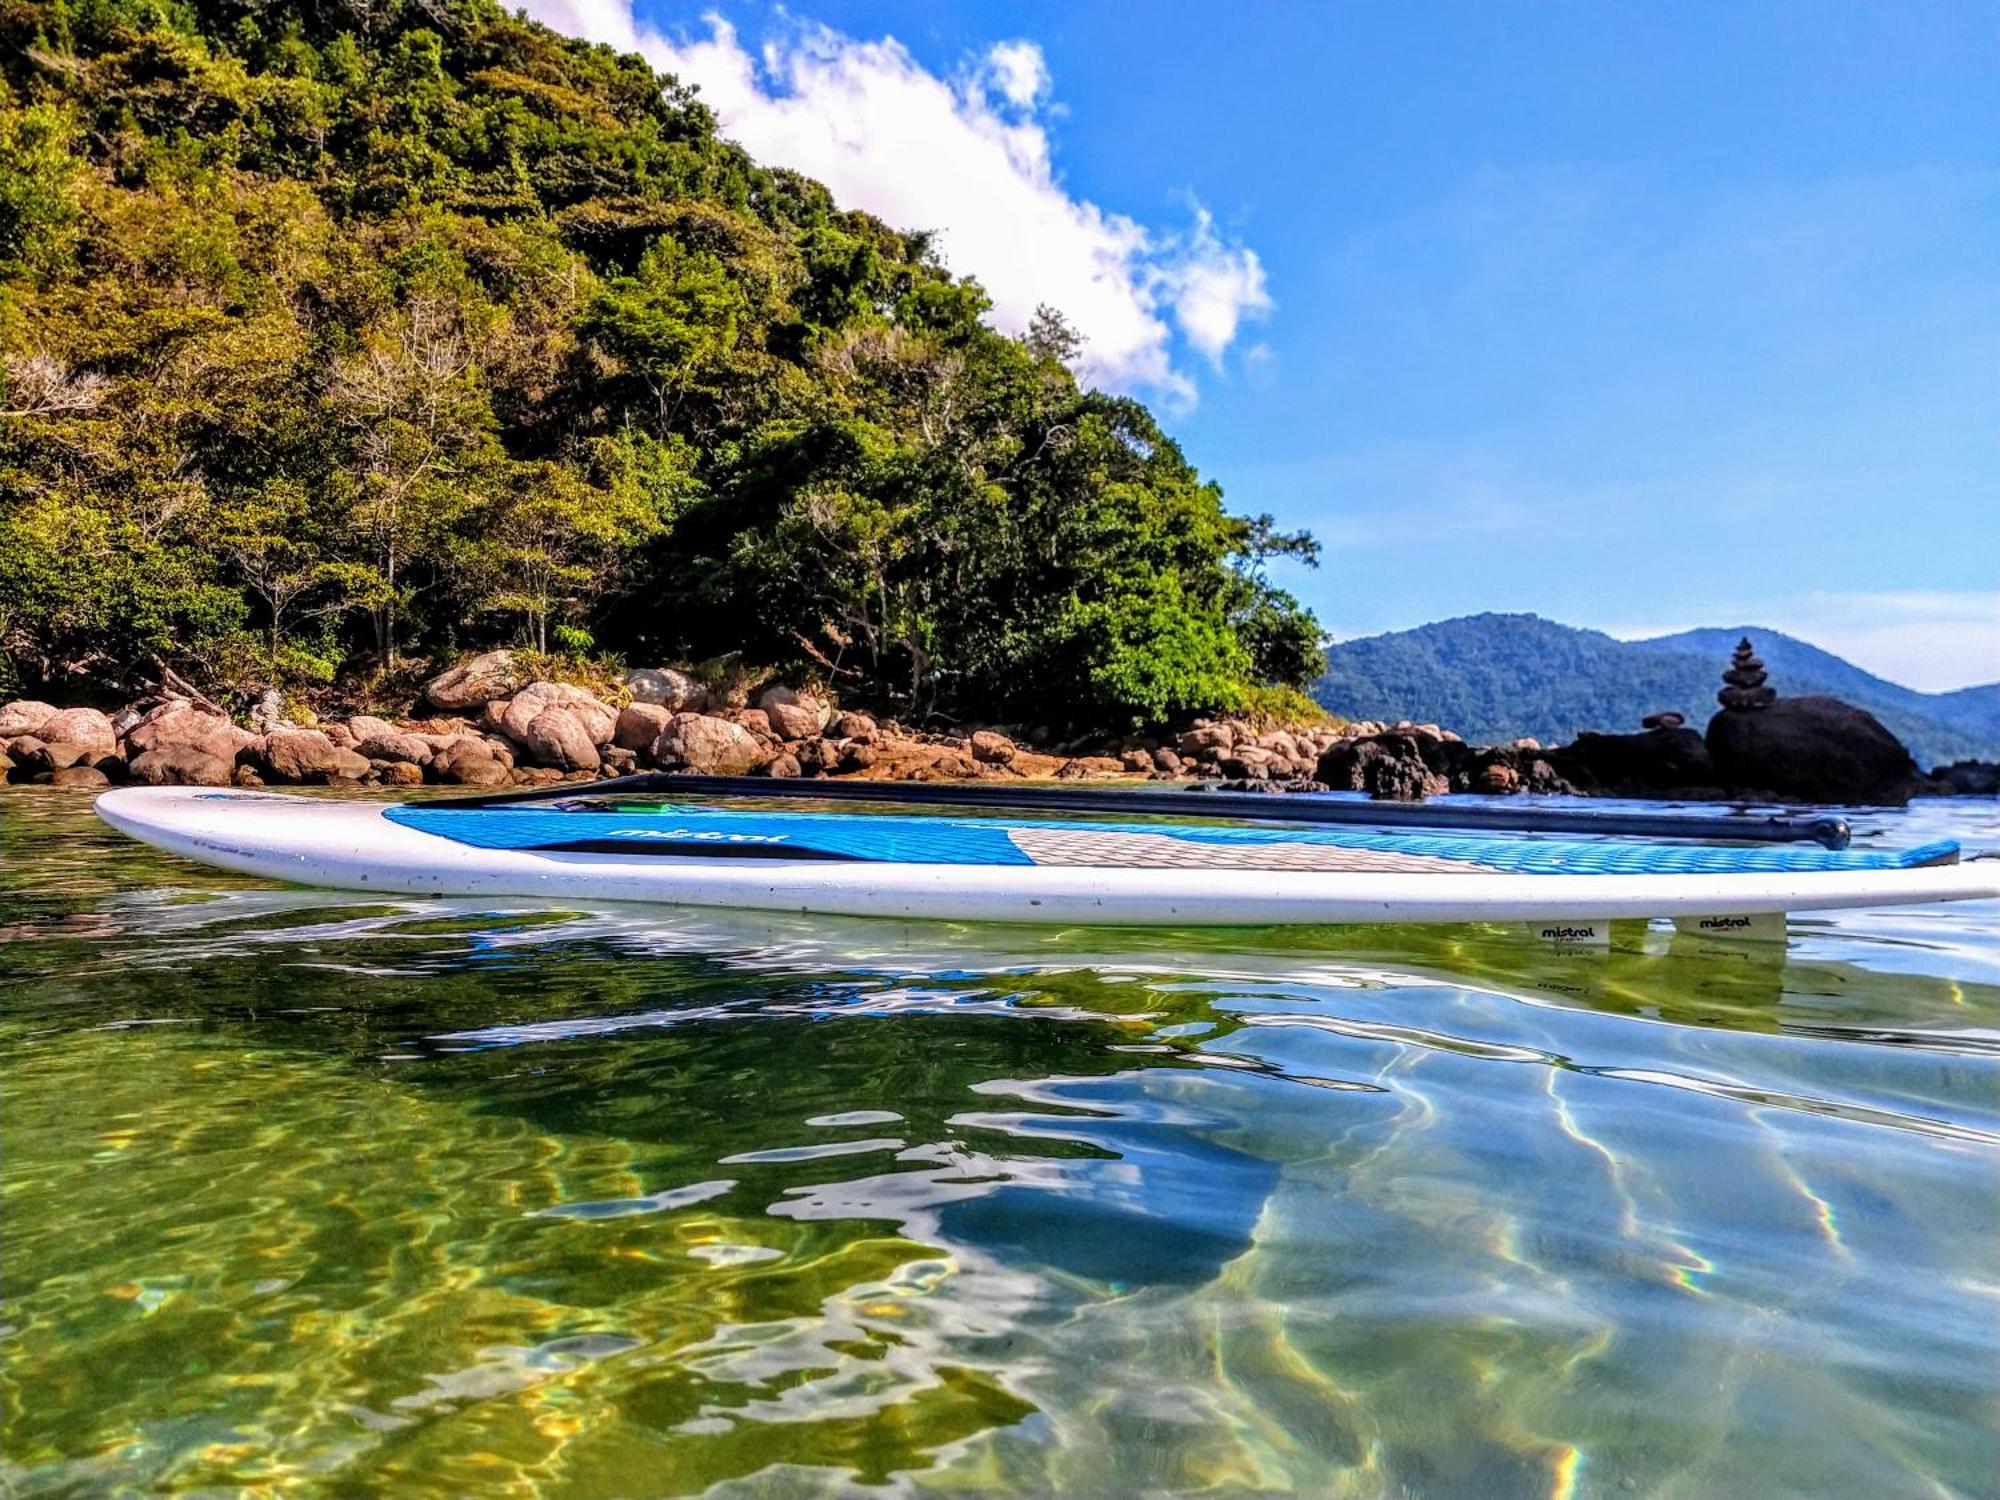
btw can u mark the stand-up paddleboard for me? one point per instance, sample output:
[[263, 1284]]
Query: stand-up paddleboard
[[997, 869]]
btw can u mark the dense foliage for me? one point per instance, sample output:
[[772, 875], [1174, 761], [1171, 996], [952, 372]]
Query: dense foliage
[[1497, 677], [345, 332]]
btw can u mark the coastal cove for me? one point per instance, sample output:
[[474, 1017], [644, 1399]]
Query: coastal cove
[[316, 1191], [772, 751]]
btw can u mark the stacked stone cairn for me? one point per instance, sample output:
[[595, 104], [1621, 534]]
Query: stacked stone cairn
[[1744, 688]]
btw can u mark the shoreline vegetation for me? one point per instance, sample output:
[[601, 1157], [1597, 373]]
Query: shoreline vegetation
[[338, 337]]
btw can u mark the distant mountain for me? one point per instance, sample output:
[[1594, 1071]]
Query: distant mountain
[[1498, 677]]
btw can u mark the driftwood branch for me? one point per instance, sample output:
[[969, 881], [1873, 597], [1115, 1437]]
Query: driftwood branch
[[821, 657], [178, 685]]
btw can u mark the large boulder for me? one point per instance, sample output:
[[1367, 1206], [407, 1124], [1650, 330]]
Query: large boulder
[[557, 737], [852, 726], [469, 760], [1393, 767], [639, 724], [1811, 749], [599, 720], [24, 716], [992, 747], [378, 739], [663, 687], [306, 755], [74, 737], [178, 722], [704, 743], [1204, 738], [795, 715], [476, 681], [182, 764], [1654, 760]]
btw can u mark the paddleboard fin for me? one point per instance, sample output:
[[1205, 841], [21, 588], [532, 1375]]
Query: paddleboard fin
[[1767, 927], [1568, 933]]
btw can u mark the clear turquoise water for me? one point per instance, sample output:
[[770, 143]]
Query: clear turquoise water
[[311, 1194]]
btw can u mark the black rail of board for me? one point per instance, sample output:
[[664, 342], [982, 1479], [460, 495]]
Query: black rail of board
[[1269, 807]]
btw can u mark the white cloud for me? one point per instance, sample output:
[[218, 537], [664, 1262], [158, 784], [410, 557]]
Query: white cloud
[[1019, 72], [969, 158], [1213, 287], [1931, 640]]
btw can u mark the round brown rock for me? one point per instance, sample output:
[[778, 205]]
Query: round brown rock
[[79, 778], [24, 716], [598, 720], [639, 724], [182, 764], [85, 728], [704, 743], [476, 681], [557, 737], [795, 715], [180, 723], [307, 755], [663, 687]]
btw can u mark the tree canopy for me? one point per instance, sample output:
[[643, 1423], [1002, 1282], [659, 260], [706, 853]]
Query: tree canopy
[[340, 334]]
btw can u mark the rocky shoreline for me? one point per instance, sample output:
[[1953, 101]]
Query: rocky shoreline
[[487, 723], [484, 724]]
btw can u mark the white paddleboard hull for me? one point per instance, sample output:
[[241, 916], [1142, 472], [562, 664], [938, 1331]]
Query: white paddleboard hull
[[352, 846]]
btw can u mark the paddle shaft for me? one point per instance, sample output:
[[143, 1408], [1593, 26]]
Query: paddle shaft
[[1268, 807]]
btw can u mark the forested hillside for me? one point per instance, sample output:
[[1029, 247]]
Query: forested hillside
[[1497, 677], [340, 334]]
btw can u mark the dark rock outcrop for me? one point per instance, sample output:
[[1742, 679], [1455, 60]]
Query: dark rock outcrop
[[1654, 760], [1963, 778], [1811, 750], [1392, 767]]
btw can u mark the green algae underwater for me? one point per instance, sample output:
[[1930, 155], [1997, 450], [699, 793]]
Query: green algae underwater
[[309, 1193]]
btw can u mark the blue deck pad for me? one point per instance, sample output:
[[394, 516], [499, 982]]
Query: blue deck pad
[[986, 841]]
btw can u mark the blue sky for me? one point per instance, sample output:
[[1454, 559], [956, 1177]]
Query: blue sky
[[1637, 317]]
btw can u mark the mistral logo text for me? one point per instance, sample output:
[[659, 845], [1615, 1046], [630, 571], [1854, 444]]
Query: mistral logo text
[[703, 835]]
